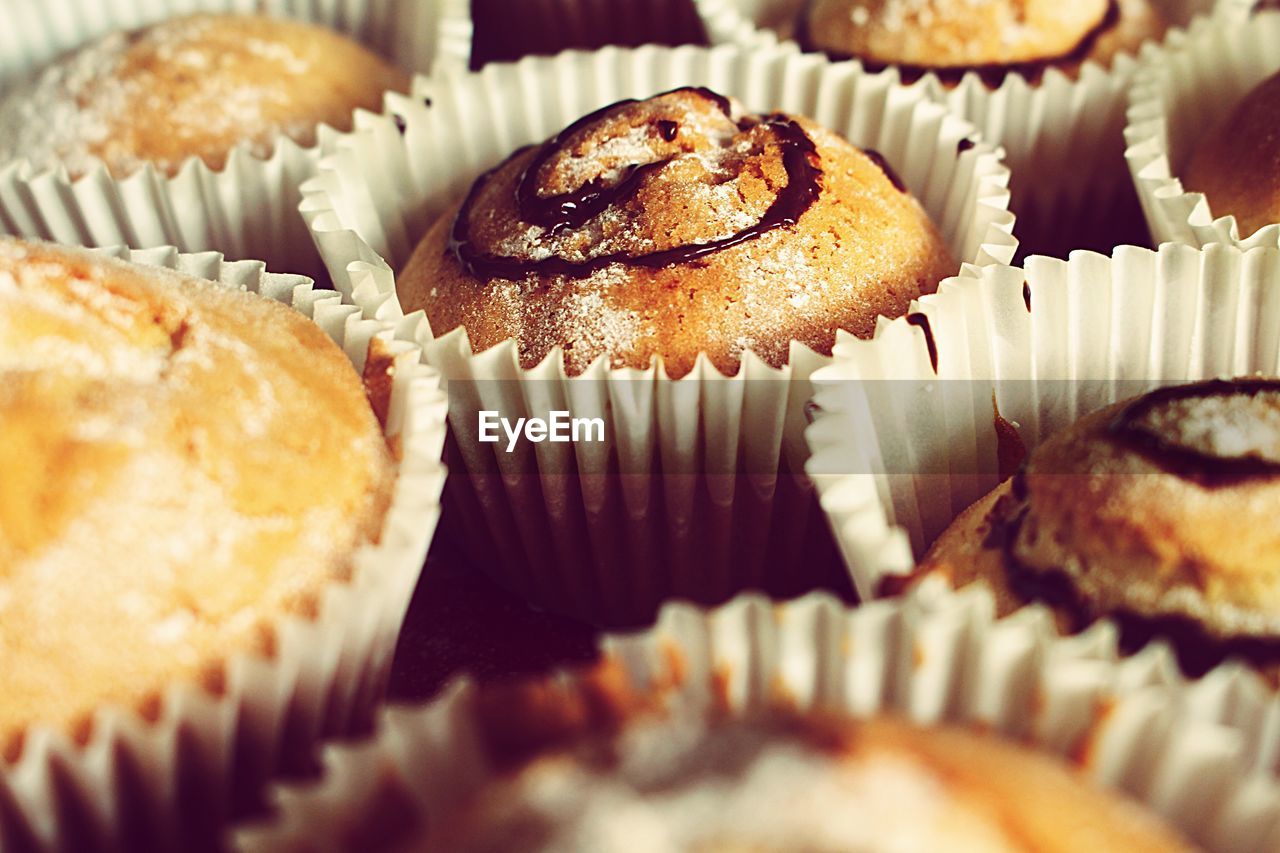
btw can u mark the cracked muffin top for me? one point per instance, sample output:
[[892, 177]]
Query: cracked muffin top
[[182, 464], [673, 226]]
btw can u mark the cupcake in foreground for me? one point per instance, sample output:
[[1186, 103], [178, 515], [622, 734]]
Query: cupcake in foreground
[[1237, 165], [674, 226], [185, 464], [596, 767], [194, 86], [1157, 512]]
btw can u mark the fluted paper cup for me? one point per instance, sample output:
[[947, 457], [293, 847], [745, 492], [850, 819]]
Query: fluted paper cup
[[247, 209], [1062, 134], [1179, 98], [1129, 724], [696, 490], [173, 776]]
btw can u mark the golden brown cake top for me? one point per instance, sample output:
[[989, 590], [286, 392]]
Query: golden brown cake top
[[1159, 512], [182, 463], [672, 226], [1019, 35], [1237, 165], [615, 779], [192, 86]]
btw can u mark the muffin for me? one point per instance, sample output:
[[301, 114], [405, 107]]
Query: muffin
[[595, 767], [185, 465], [1237, 164], [1157, 513], [674, 226], [992, 37], [194, 86]]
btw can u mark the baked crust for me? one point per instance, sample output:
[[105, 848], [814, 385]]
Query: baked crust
[[1237, 164], [183, 464], [193, 86], [704, 238]]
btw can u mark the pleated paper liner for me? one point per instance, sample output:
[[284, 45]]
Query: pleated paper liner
[[1063, 137], [900, 449], [505, 32], [1185, 750], [697, 489], [246, 209], [172, 777], [1175, 102]]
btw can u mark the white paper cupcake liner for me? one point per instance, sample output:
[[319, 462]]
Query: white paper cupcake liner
[[899, 449], [1174, 102], [1130, 724], [246, 209], [174, 780], [610, 547], [1063, 137]]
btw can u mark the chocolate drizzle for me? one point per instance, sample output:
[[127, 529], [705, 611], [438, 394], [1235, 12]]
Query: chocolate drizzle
[[1188, 463], [1026, 295], [878, 158], [992, 74], [1196, 650], [921, 321], [571, 210]]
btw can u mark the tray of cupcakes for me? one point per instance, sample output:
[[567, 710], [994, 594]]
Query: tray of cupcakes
[[918, 364]]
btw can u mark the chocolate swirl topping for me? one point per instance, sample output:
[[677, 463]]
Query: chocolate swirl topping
[[573, 209], [1132, 428], [1196, 649], [992, 74]]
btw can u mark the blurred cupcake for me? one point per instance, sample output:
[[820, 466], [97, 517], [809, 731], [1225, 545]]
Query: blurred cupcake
[[155, 547], [1154, 512], [123, 125], [756, 727], [1202, 144], [670, 269], [1045, 80], [993, 39], [195, 86]]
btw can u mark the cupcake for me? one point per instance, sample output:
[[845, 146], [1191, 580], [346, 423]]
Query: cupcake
[[993, 38], [1237, 165], [667, 274], [795, 727], [1045, 80], [669, 227], [1153, 512], [176, 574], [1202, 148], [195, 86], [120, 125]]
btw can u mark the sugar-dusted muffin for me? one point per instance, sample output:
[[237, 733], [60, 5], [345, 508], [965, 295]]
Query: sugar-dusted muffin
[[1237, 165], [192, 86], [183, 465], [671, 226], [595, 771], [1158, 512], [992, 37]]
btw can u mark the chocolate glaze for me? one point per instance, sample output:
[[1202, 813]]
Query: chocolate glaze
[[574, 208], [1196, 649], [992, 74], [878, 158], [1185, 462], [668, 130], [922, 322]]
